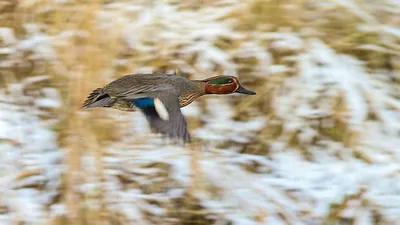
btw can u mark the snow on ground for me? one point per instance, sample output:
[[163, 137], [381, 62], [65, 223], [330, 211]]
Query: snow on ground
[[30, 158], [306, 176]]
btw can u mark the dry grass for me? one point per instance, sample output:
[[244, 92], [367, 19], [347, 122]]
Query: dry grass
[[87, 61]]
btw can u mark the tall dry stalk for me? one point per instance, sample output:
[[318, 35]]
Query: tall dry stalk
[[84, 59], [85, 56]]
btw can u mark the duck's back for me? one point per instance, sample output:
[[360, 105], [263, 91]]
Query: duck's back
[[136, 82], [114, 94]]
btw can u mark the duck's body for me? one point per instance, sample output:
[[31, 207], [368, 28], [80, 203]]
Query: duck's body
[[188, 90], [160, 97]]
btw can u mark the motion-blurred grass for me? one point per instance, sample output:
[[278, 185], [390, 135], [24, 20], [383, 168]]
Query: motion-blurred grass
[[87, 61]]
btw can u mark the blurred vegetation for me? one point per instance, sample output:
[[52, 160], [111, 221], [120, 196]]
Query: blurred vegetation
[[93, 55]]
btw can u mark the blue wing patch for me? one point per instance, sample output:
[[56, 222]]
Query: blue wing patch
[[146, 104], [142, 103]]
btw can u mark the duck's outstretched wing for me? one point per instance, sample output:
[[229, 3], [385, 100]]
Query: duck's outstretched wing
[[163, 112]]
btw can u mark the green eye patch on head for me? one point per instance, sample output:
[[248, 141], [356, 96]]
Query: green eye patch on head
[[221, 80]]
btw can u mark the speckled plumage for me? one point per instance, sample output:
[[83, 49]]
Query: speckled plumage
[[171, 90], [188, 90]]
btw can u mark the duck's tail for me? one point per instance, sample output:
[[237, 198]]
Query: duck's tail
[[98, 99]]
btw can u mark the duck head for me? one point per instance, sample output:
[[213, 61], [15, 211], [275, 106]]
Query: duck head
[[224, 85]]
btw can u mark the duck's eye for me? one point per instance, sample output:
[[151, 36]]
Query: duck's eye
[[230, 81]]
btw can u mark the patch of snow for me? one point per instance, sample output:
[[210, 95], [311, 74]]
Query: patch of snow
[[7, 36], [29, 155]]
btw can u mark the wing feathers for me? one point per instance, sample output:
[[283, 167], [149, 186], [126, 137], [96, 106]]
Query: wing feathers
[[98, 99], [166, 117], [161, 110]]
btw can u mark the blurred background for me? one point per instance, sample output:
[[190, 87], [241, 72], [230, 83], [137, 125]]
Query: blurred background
[[318, 144]]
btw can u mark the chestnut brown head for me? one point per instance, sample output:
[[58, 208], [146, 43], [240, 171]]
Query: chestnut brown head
[[225, 85]]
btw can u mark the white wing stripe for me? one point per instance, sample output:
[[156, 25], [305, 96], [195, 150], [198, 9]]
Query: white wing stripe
[[161, 110]]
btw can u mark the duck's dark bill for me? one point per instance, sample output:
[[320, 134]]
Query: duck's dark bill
[[243, 90]]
